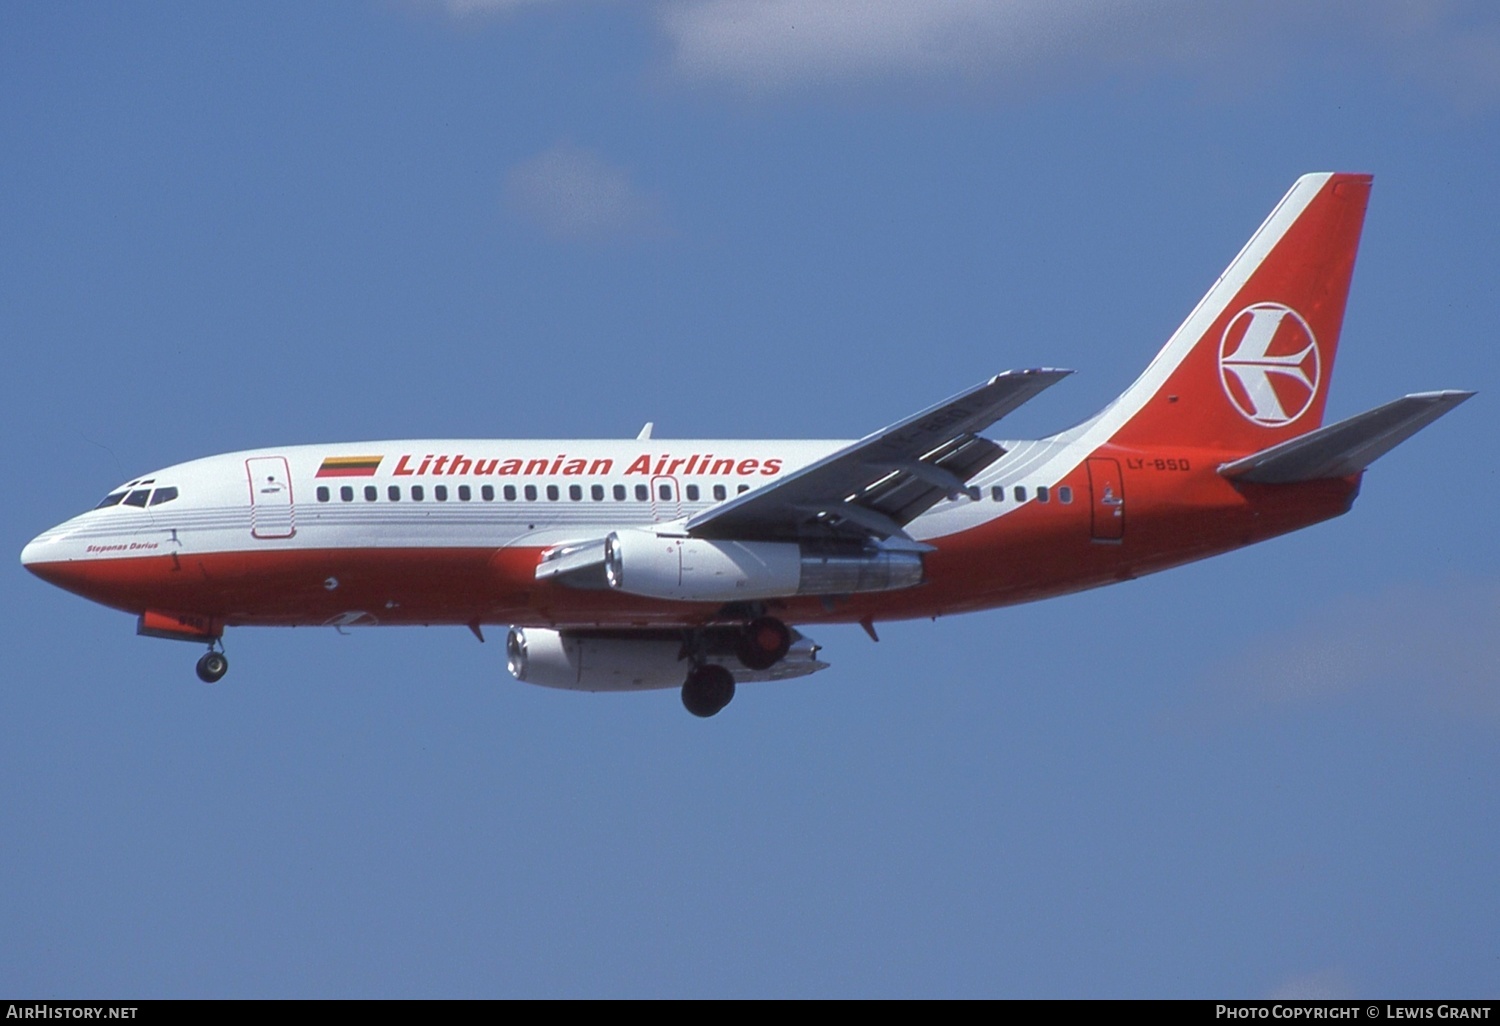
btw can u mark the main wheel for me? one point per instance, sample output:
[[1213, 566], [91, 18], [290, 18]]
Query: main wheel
[[212, 667], [764, 643], [708, 689]]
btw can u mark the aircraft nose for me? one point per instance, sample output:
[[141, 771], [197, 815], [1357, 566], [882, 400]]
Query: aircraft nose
[[53, 556], [39, 553]]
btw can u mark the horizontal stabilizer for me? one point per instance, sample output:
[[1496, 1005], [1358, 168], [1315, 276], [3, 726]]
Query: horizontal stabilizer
[[1347, 447]]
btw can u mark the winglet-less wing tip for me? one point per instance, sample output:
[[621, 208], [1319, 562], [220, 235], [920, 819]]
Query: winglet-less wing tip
[[1054, 373]]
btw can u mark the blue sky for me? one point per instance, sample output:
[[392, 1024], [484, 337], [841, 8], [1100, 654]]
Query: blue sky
[[229, 226]]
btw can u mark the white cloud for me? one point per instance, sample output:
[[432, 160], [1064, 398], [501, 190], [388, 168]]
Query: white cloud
[[1232, 45], [777, 44], [571, 193], [783, 42], [1414, 649]]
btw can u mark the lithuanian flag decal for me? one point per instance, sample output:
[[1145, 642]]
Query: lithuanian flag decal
[[350, 466]]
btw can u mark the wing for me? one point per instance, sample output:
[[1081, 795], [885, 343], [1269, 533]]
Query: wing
[[881, 483]]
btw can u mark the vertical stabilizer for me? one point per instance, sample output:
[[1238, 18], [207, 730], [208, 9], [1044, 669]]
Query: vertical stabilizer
[[1250, 366]]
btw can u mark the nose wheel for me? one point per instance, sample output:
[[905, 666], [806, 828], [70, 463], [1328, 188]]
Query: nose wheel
[[212, 666]]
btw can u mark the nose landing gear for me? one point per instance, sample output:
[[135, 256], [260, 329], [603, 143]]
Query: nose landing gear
[[212, 666]]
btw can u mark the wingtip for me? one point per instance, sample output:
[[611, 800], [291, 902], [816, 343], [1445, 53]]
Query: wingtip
[[1032, 372], [1446, 395]]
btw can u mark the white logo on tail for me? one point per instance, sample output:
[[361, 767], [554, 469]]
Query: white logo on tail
[[1269, 364]]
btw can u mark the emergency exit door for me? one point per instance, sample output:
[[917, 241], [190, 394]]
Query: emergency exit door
[[666, 499]]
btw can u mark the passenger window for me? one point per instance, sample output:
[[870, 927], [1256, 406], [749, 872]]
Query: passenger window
[[1042, 494], [575, 492], [531, 493], [464, 494], [998, 493], [487, 493], [138, 497], [720, 492], [162, 495], [510, 493], [322, 493], [112, 499], [552, 493], [597, 491], [416, 493], [440, 493], [1020, 493], [641, 494], [692, 493], [393, 493], [371, 493], [742, 489], [665, 491], [619, 493], [1064, 493], [346, 493]]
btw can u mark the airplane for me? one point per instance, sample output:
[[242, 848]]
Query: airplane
[[622, 565]]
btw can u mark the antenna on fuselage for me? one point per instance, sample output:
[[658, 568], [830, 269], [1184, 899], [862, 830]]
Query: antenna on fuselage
[[645, 434]]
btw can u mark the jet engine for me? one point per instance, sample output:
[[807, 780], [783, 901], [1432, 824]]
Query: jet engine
[[707, 570], [636, 660]]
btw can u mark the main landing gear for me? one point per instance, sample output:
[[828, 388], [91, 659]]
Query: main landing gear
[[212, 666], [764, 643], [709, 687]]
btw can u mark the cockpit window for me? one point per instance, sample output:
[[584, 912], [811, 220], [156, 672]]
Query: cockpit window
[[138, 497]]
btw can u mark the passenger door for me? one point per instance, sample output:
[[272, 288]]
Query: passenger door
[[1107, 489], [271, 510]]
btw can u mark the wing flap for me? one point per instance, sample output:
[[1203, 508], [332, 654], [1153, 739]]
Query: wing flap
[[1347, 447]]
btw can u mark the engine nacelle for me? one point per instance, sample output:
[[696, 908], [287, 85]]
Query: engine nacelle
[[707, 570], [637, 660], [589, 662]]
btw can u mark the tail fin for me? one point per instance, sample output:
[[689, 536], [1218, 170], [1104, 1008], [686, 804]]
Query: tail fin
[[1250, 366]]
